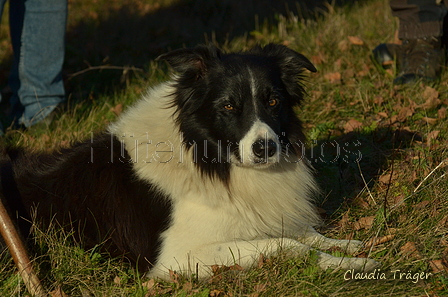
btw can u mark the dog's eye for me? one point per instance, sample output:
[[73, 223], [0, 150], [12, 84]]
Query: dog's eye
[[229, 107], [273, 102]]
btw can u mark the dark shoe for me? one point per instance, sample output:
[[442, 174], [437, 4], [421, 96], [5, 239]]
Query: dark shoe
[[416, 59], [386, 53], [422, 59]]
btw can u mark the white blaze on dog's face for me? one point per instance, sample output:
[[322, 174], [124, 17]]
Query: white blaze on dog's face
[[260, 147]]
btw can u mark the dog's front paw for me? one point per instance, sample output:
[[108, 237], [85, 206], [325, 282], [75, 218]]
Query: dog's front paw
[[358, 264], [353, 246]]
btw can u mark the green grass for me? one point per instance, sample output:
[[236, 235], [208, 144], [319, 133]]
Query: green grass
[[390, 168]]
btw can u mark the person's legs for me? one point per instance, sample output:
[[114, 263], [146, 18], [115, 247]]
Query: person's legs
[[419, 18], [38, 38], [420, 30]]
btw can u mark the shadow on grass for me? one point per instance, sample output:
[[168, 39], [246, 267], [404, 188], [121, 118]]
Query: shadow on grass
[[347, 164], [134, 33]]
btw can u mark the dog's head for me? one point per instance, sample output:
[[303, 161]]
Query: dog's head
[[238, 108]]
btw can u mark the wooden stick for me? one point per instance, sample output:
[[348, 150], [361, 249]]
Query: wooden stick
[[19, 254]]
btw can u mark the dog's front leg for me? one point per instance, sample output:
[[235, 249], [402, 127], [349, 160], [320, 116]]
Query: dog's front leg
[[313, 238], [199, 261]]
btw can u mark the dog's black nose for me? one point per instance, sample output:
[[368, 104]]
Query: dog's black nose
[[263, 148]]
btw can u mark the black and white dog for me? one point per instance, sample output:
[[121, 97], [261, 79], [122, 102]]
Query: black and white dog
[[205, 169]]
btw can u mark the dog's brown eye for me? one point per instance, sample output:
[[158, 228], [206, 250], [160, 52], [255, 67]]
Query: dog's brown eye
[[273, 102], [229, 107]]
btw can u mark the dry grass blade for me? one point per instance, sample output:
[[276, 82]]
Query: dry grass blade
[[441, 164]]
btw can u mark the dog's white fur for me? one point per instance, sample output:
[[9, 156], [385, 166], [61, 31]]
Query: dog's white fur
[[263, 210]]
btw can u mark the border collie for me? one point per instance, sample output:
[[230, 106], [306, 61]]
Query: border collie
[[207, 168]]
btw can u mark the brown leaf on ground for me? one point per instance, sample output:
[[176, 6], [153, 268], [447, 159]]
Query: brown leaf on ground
[[387, 178], [343, 45], [174, 276], [58, 293], [117, 109], [352, 125], [261, 261], [398, 200], [431, 96], [117, 280], [441, 113], [149, 284], [379, 240], [378, 100], [333, 77], [318, 59], [216, 293], [364, 223], [431, 136], [410, 249], [355, 40], [430, 121], [438, 266], [344, 222], [404, 113], [383, 114], [361, 202], [236, 267], [421, 205]]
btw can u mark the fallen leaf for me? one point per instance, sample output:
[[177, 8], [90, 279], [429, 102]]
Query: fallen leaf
[[149, 284], [361, 202], [364, 223], [404, 113], [378, 100], [379, 240], [387, 178], [438, 266], [318, 59], [58, 293], [188, 286], [383, 114], [431, 96], [343, 45], [343, 222], [174, 277], [421, 205], [117, 280], [333, 77], [261, 260], [216, 293], [236, 267], [355, 40], [432, 136], [352, 125], [430, 121], [441, 113], [410, 249], [398, 200], [117, 109]]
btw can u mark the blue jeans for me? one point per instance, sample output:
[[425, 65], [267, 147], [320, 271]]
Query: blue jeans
[[38, 39]]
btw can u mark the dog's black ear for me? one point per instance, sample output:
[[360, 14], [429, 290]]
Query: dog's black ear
[[291, 64], [288, 57], [193, 62]]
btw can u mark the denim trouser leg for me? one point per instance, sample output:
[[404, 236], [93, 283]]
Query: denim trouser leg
[[38, 38]]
